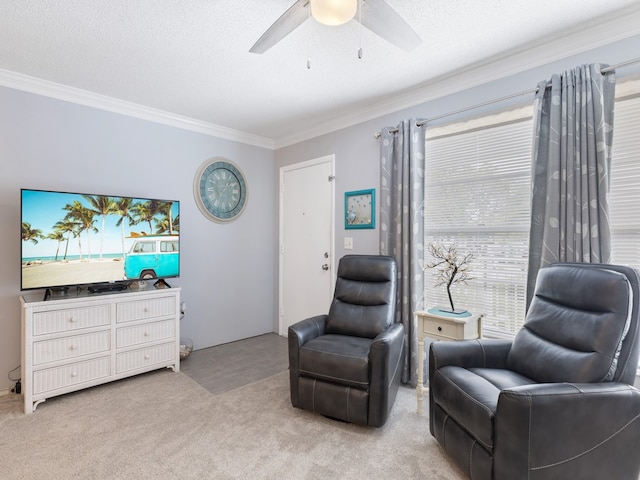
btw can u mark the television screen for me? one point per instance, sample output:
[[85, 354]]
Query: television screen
[[78, 239]]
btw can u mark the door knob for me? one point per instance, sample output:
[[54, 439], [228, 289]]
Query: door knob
[[325, 267]]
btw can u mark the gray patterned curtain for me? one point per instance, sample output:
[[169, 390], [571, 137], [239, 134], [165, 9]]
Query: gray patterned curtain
[[402, 226], [573, 134]]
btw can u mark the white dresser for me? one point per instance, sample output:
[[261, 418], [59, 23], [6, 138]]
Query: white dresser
[[80, 341]]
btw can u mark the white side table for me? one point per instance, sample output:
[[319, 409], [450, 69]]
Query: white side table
[[442, 326]]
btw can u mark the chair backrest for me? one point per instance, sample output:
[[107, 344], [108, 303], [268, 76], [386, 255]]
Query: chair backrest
[[582, 325], [365, 296]]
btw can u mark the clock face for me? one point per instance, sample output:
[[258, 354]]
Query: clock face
[[220, 190]]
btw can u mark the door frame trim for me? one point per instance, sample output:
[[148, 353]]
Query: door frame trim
[[331, 159]]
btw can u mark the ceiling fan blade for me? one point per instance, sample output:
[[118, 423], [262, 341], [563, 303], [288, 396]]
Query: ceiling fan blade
[[385, 22], [283, 26]]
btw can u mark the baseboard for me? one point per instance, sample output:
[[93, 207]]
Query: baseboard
[[5, 392]]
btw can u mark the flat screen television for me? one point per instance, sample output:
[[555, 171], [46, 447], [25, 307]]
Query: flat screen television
[[104, 242]]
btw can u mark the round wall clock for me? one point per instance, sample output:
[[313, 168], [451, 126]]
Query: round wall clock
[[220, 190]]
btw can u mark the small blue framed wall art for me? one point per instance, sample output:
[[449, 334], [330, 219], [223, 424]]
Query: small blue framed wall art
[[360, 209]]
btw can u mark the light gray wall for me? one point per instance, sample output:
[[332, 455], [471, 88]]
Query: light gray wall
[[226, 270], [356, 167]]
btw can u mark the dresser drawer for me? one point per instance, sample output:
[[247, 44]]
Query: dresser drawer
[[143, 309], [144, 357], [449, 328], [55, 321], [148, 332], [443, 328], [69, 347], [74, 373]]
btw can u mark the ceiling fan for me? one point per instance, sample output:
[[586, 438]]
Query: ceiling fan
[[376, 15]]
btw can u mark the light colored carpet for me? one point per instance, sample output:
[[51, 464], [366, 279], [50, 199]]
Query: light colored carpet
[[163, 425]]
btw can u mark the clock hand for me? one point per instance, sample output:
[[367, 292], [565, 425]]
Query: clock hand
[[227, 187]]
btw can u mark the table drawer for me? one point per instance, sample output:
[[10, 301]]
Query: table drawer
[[143, 309], [442, 329], [148, 332], [74, 373], [144, 357], [55, 321], [70, 347]]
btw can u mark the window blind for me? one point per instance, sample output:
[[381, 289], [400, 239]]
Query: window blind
[[625, 183], [477, 196]]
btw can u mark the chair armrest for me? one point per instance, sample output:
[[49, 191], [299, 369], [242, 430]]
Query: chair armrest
[[483, 353], [385, 369], [386, 352], [299, 334], [306, 330], [568, 431]]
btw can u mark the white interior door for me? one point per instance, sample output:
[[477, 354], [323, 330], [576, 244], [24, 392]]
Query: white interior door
[[306, 240]]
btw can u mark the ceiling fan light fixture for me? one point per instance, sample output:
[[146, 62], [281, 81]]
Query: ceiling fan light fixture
[[333, 12]]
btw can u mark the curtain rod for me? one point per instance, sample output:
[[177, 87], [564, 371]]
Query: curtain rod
[[422, 122]]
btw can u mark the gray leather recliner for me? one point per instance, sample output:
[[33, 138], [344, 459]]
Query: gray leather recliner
[[558, 401], [347, 364]]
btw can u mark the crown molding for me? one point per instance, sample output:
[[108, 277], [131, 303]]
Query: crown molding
[[589, 37], [26, 83]]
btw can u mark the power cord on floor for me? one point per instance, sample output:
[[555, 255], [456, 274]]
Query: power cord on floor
[[18, 388]]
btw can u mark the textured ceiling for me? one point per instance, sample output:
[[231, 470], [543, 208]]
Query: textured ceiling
[[191, 57]]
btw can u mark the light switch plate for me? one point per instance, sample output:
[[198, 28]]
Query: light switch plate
[[348, 243]]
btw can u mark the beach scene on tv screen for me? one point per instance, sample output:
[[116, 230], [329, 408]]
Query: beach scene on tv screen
[[75, 239]]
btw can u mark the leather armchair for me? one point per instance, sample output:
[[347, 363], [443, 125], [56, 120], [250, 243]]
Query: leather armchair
[[347, 364], [558, 401]]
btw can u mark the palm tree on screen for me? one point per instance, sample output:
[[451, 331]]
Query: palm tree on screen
[[145, 212], [124, 209], [84, 218], [68, 227], [168, 224], [58, 236], [165, 207], [30, 234], [103, 206]]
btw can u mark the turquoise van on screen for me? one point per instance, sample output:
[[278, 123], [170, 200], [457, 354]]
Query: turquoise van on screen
[[153, 256]]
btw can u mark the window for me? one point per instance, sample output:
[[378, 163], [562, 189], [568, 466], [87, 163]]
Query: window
[[477, 196], [171, 246], [145, 247], [625, 177]]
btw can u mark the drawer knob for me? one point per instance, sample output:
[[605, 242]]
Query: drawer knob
[[74, 374], [146, 334], [73, 347], [72, 319], [147, 357], [439, 329]]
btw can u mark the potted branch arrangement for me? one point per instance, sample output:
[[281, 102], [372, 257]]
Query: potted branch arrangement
[[452, 268]]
